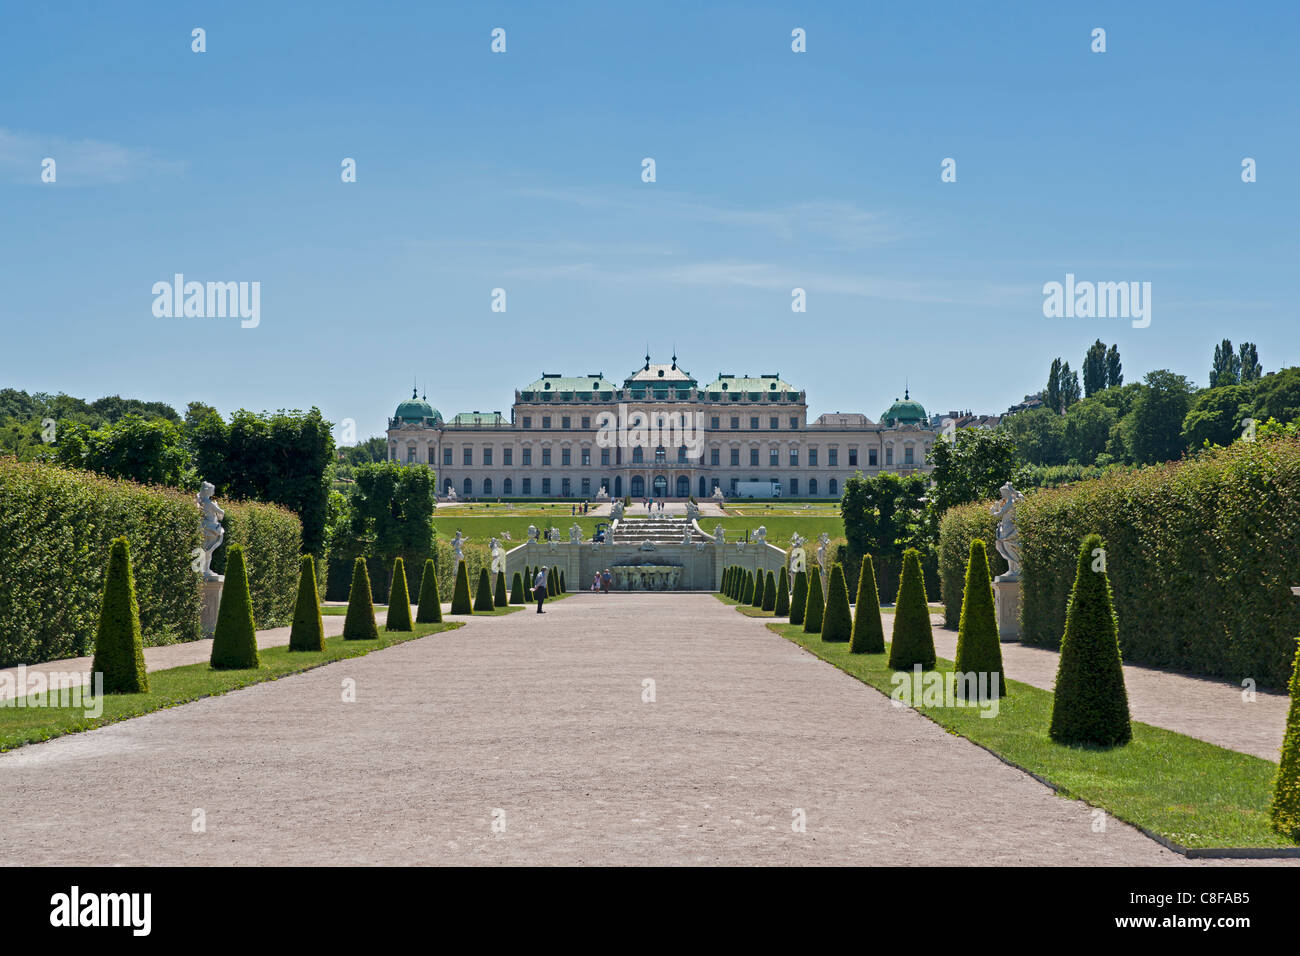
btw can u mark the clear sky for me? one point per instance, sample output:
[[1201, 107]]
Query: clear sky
[[522, 171]]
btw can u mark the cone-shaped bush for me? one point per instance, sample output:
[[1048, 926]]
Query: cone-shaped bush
[[517, 589], [868, 633], [499, 593], [1090, 703], [815, 609], [460, 603], [430, 609], [119, 648], [308, 631], [1286, 789], [735, 582], [359, 625], [837, 625], [561, 580], [799, 599], [782, 605], [748, 596], [483, 596], [399, 600], [234, 642], [912, 642], [552, 583], [979, 649], [769, 592], [726, 581], [757, 599]]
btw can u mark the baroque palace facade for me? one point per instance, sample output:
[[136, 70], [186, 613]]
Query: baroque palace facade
[[571, 436]]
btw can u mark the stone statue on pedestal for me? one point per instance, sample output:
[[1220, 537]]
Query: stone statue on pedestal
[[1008, 542], [823, 542], [575, 534], [456, 543], [692, 511], [532, 532], [798, 556], [498, 555], [760, 536], [213, 533]]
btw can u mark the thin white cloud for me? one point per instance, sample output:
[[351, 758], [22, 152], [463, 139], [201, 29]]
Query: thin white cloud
[[84, 162]]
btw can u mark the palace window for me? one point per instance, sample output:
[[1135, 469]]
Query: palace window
[[586, 422], [487, 486], [487, 457], [526, 455], [528, 421], [871, 458], [753, 456], [774, 457], [528, 486], [735, 421], [907, 455], [546, 486], [681, 456], [604, 457], [812, 457], [794, 422], [564, 487], [834, 487], [853, 458], [446, 456], [889, 454], [638, 455], [507, 456], [812, 486], [468, 454], [735, 458], [833, 457], [565, 457], [410, 454], [586, 487], [661, 456], [794, 457], [586, 457], [714, 423], [794, 487], [774, 423], [468, 488], [715, 457], [546, 457], [753, 423], [507, 487], [564, 422], [546, 421]]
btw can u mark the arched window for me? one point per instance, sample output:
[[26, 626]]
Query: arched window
[[661, 486], [638, 484], [638, 455], [834, 487], [618, 486], [446, 486], [660, 455], [487, 486], [812, 486], [703, 492], [683, 486], [507, 487], [469, 488]]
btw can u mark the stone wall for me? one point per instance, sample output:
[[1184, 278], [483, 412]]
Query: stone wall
[[700, 562]]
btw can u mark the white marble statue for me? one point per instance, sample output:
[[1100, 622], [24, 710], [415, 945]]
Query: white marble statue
[[213, 533], [717, 493], [616, 509], [719, 535], [760, 536], [692, 511], [532, 532], [456, 544], [823, 542], [575, 534], [1008, 543], [798, 556], [498, 555], [686, 535]]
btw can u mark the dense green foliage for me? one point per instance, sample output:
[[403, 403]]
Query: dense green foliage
[[979, 648], [837, 623], [430, 608], [1285, 806], [234, 641], [138, 449], [119, 650], [960, 528], [799, 597], [868, 632], [399, 600], [271, 537], [308, 630], [1090, 702], [387, 514], [912, 641], [460, 600], [782, 606], [815, 609], [359, 625]]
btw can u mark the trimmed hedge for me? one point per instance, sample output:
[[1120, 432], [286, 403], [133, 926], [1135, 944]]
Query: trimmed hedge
[[1200, 554], [816, 606], [119, 651], [399, 600], [430, 609], [359, 625], [234, 641], [517, 589], [889, 570], [483, 596], [769, 592], [961, 526], [1285, 808], [747, 596], [799, 599], [756, 600], [979, 647], [271, 537], [460, 602], [838, 622], [308, 630], [912, 641], [499, 598], [868, 630], [782, 606], [1090, 702]]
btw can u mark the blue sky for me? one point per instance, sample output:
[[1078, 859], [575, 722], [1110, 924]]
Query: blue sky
[[522, 171]]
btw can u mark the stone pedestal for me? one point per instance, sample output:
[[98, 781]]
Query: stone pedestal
[[211, 602], [1006, 596]]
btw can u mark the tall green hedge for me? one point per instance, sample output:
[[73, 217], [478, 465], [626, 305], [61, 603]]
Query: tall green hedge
[[959, 527], [756, 600], [483, 594], [1200, 554], [57, 526], [460, 599], [517, 589], [499, 596], [359, 624]]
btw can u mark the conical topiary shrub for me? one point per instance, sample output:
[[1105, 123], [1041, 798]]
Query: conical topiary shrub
[[757, 599], [308, 631], [837, 624], [460, 602], [726, 581], [517, 589], [769, 592], [868, 633], [816, 605], [562, 588], [359, 625], [1090, 703], [234, 642], [979, 649], [799, 599], [399, 600], [747, 597], [782, 606], [119, 647], [430, 609], [499, 593], [735, 581], [1285, 808], [483, 596], [551, 585], [912, 642]]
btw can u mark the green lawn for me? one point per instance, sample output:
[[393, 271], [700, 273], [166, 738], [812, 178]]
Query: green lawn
[[1185, 790], [180, 685]]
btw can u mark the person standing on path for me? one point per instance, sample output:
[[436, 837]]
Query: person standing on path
[[539, 588], [604, 581]]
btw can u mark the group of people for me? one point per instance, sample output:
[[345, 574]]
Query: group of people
[[581, 509], [651, 504], [600, 581]]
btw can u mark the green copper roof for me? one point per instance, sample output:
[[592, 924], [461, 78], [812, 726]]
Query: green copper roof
[[478, 418], [904, 411], [555, 382], [744, 383], [415, 409]]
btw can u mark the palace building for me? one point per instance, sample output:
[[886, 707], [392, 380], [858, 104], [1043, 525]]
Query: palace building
[[661, 434]]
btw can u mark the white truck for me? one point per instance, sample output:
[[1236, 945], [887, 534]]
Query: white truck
[[757, 489]]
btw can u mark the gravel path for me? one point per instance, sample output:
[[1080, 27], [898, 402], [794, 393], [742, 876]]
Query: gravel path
[[541, 725]]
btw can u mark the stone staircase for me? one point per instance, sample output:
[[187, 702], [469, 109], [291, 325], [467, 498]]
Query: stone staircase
[[660, 529]]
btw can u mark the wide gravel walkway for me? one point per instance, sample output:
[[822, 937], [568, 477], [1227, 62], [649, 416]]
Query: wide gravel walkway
[[526, 739]]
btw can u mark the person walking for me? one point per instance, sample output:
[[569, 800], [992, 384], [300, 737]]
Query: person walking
[[539, 588], [604, 581]]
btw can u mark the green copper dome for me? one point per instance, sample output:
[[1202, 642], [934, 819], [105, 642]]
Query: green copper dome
[[415, 409], [904, 411]]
